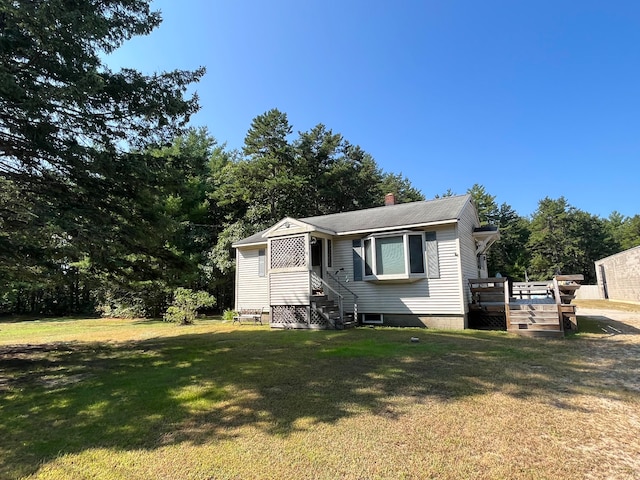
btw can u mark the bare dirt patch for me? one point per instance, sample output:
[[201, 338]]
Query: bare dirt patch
[[615, 351]]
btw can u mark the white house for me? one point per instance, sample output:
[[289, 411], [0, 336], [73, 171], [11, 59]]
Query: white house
[[405, 265]]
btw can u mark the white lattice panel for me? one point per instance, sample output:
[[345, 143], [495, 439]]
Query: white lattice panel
[[316, 318], [288, 252], [289, 314]]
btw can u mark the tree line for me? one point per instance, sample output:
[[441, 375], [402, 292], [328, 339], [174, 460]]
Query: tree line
[[556, 238], [110, 202]]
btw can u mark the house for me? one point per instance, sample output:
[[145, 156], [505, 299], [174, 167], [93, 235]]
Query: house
[[619, 276], [400, 264]]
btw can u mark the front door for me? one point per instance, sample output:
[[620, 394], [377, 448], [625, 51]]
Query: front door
[[316, 256]]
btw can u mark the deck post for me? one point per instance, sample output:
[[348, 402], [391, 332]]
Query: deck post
[[556, 293], [506, 303]]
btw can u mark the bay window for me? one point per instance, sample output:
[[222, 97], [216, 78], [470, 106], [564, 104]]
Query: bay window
[[395, 256]]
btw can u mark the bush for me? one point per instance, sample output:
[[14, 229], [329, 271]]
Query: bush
[[135, 300], [122, 307], [185, 304], [228, 315]]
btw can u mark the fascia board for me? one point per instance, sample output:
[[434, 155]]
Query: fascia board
[[388, 229], [242, 245]]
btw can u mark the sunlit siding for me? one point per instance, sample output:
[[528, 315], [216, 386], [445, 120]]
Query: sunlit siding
[[289, 288], [251, 289], [427, 296], [468, 259]]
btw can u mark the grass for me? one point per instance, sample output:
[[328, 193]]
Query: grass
[[608, 305], [122, 399]]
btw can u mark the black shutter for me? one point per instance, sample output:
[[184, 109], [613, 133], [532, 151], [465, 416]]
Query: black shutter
[[357, 260]]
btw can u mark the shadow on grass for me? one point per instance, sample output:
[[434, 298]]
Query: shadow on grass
[[602, 324], [66, 398], [45, 319]]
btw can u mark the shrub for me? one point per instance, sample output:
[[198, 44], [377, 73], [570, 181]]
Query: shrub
[[185, 305], [228, 315]]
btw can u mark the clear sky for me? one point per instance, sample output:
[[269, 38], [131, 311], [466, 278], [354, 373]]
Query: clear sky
[[528, 98]]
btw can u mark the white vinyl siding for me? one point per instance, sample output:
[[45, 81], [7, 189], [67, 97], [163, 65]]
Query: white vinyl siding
[[251, 288], [431, 296], [289, 288], [468, 258]]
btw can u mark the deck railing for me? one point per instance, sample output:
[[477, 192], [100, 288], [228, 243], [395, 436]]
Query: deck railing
[[529, 290]]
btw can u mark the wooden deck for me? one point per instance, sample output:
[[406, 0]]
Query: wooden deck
[[541, 309]]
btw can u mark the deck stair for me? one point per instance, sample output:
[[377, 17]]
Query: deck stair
[[535, 319], [565, 292]]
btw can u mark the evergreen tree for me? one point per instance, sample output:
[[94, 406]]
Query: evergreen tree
[[73, 133], [269, 182], [317, 173], [318, 152], [566, 240], [510, 255], [448, 193], [625, 231], [485, 205], [401, 187]]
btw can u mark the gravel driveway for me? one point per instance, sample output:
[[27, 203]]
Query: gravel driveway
[[625, 322]]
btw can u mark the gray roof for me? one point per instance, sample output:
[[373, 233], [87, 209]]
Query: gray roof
[[440, 210]]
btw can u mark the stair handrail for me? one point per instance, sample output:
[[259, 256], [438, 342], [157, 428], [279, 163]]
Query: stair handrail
[[316, 277], [354, 294], [342, 285]]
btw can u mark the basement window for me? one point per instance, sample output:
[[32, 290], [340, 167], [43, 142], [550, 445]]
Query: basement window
[[372, 318]]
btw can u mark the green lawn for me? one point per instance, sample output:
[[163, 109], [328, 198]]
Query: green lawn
[[120, 399]]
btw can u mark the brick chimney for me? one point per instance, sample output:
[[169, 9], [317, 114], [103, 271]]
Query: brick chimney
[[389, 199]]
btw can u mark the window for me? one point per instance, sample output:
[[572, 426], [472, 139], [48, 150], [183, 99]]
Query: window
[[394, 257], [416, 254], [390, 256], [372, 318]]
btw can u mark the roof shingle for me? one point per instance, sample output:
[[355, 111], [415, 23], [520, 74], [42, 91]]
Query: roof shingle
[[440, 210]]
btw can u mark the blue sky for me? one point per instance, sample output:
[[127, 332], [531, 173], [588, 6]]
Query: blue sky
[[528, 98]]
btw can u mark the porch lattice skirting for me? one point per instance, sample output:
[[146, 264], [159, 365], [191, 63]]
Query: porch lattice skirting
[[295, 316], [316, 320]]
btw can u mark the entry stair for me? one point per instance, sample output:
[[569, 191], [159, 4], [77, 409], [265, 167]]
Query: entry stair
[[329, 310]]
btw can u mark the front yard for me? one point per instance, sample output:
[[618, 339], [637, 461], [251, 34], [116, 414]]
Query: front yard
[[124, 399]]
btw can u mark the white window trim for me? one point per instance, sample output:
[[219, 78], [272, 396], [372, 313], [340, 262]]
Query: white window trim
[[407, 276]]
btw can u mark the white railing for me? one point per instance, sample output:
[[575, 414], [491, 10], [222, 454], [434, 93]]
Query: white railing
[[342, 287], [318, 284], [529, 290], [335, 292]]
